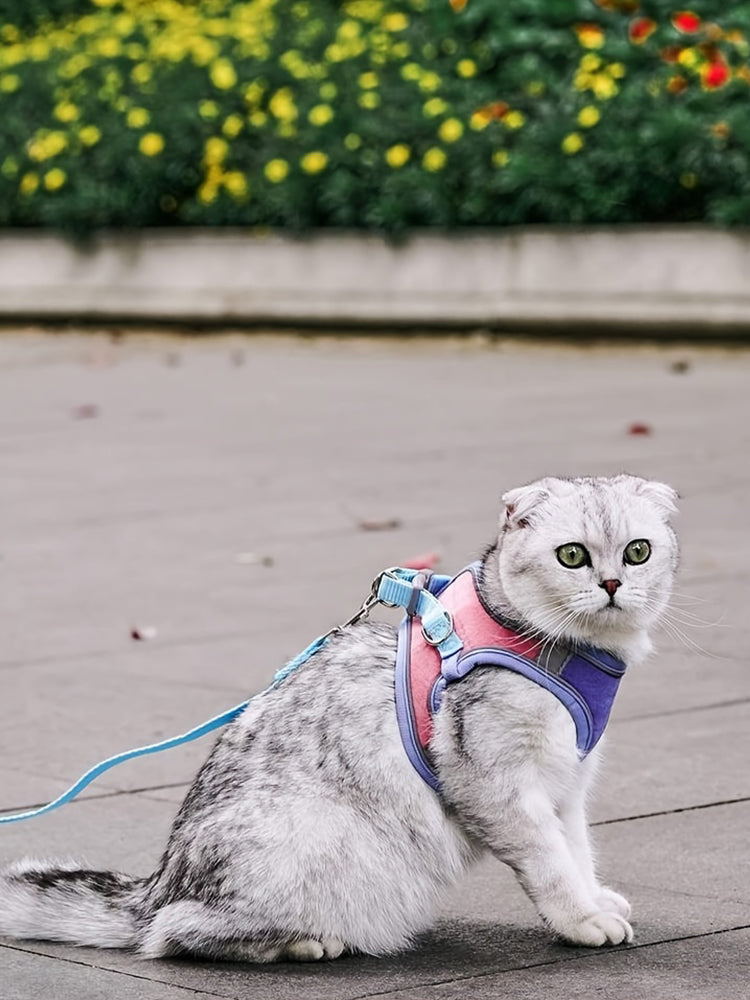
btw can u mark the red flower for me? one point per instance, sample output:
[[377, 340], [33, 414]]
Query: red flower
[[494, 111], [687, 22], [640, 28], [715, 75]]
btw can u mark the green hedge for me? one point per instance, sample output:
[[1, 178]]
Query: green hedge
[[380, 114]]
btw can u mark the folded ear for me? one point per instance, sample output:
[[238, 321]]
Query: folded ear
[[661, 495], [521, 503]]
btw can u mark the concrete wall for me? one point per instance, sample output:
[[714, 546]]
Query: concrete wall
[[682, 279]]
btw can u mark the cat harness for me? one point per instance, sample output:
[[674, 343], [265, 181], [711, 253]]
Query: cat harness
[[441, 641]]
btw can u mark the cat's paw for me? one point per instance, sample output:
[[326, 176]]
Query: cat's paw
[[310, 950], [599, 929], [613, 902]]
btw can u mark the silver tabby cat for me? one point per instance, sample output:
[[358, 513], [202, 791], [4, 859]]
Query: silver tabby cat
[[308, 832]]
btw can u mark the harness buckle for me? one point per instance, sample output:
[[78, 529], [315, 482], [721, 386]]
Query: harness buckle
[[443, 626]]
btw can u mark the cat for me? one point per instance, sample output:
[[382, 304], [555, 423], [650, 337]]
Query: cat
[[307, 833]]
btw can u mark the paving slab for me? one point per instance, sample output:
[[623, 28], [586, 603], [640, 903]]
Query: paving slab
[[146, 478]]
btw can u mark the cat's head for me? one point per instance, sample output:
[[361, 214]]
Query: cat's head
[[589, 559]]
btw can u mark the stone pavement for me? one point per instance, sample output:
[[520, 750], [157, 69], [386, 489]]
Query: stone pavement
[[214, 489]]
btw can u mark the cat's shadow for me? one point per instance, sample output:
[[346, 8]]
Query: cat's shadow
[[450, 950]]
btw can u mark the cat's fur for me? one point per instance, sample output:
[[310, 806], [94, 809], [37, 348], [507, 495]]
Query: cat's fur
[[308, 832]]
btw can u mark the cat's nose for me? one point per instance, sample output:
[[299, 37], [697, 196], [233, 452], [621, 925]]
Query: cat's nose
[[611, 586]]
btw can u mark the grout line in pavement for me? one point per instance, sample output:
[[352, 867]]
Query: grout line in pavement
[[682, 711], [589, 955], [116, 972], [116, 793], [101, 795], [673, 812]]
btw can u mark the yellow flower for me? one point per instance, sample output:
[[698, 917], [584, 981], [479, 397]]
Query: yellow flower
[[54, 179], [257, 119], [216, 150], [89, 135], [572, 143], [588, 116], [616, 70], [514, 120], [66, 111], [207, 192], [535, 88], [47, 145], [688, 180], [395, 22], [151, 144], [434, 159], [9, 166], [137, 117], [108, 47], [282, 105], [368, 80], [411, 71], [321, 114], [276, 170], [604, 86], [314, 162], [369, 100], [141, 73], [9, 83], [689, 58], [479, 121], [208, 109], [500, 157], [590, 36], [466, 68], [434, 106], [352, 141], [236, 183], [451, 130], [590, 62], [396, 156], [232, 126], [222, 74], [29, 183], [429, 81], [328, 90]]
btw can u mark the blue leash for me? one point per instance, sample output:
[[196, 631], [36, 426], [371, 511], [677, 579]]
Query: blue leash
[[393, 588]]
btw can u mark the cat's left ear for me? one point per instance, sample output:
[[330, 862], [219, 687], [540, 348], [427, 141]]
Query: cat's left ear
[[521, 503], [660, 494]]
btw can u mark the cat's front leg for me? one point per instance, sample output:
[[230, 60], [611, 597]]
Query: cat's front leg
[[572, 812], [567, 897]]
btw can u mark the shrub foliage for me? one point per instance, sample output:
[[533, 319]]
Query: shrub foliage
[[378, 114]]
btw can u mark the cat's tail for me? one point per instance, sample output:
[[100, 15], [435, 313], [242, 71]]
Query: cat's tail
[[60, 901]]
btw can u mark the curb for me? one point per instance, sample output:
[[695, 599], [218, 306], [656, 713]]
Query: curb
[[685, 280]]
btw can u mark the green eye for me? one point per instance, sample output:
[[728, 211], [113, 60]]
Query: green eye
[[573, 555], [637, 552]]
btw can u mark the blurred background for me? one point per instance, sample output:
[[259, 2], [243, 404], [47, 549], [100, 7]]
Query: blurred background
[[374, 114]]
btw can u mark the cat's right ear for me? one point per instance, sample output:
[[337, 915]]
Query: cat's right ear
[[521, 503]]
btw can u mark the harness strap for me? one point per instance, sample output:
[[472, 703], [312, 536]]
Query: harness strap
[[120, 758]]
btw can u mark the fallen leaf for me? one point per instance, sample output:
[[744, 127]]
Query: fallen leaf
[[87, 411], [387, 524], [253, 559], [143, 634], [680, 367], [425, 560]]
